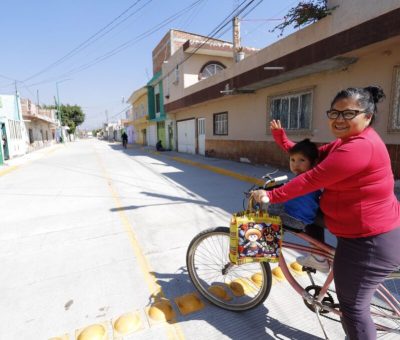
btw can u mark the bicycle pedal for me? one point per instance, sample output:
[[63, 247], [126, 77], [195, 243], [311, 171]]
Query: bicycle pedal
[[309, 270]]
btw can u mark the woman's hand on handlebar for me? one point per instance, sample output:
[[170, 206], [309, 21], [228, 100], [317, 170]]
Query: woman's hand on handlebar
[[260, 196]]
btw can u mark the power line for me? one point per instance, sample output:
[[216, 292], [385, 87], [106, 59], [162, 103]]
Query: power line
[[90, 40], [123, 46], [236, 12], [147, 33]]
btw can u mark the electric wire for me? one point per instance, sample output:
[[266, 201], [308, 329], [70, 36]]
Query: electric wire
[[122, 46], [90, 40]]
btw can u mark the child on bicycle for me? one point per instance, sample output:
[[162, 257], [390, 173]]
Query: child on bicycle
[[302, 211]]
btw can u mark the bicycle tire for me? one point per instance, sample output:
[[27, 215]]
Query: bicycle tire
[[384, 315], [219, 237]]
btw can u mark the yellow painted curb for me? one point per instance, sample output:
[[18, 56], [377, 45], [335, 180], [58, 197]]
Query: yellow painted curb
[[215, 169], [9, 169]]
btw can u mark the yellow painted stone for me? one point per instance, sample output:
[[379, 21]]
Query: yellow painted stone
[[257, 278], [297, 267], [278, 274], [189, 303], [237, 288], [127, 323], [93, 332], [219, 292], [241, 286], [62, 337], [161, 311]]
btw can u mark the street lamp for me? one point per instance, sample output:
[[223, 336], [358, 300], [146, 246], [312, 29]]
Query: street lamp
[[58, 108]]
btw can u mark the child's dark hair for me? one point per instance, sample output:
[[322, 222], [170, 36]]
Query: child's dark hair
[[307, 149]]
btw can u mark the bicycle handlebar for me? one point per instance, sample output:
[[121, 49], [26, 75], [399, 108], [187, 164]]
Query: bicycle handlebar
[[273, 182]]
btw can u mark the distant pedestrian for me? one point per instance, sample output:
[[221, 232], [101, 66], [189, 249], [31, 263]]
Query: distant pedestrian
[[124, 137], [159, 146]]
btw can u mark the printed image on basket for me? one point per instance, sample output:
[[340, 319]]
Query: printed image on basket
[[259, 240], [255, 238]]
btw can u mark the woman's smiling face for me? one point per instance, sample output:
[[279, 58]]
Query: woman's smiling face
[[342, 128]]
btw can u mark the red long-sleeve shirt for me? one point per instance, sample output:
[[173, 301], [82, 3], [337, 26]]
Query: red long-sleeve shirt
[[358, 198]]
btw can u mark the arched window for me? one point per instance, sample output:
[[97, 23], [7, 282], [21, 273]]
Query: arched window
[[211, 68]]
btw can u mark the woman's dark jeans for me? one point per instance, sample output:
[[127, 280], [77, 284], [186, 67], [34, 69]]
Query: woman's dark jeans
[[360, 265]]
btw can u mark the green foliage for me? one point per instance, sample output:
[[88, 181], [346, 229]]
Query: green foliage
[[96, 131], [71, 115], [306, 12]]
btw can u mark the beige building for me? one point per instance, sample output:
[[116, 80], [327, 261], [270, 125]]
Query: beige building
[[139, 118], [294, 80], [40, 124]]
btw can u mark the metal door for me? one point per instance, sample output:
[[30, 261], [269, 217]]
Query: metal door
[[201, 135]]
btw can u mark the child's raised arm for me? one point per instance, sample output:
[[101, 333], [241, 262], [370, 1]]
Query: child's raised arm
[[279, 135], [275, 124]]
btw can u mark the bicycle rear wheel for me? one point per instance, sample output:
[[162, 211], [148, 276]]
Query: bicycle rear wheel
[[229, 286], [385, 305]]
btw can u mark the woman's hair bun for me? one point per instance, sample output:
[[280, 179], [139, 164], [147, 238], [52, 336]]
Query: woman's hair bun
[[376, 92]]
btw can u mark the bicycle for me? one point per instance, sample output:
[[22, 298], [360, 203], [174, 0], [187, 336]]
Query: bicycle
[[243, 287]]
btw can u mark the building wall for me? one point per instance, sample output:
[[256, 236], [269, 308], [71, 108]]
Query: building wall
[[188, 73], [170, 44], [355, 12], [11, 117], [248, 114]]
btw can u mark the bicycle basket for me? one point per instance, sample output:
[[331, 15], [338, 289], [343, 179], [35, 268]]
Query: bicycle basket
[[255, 237]]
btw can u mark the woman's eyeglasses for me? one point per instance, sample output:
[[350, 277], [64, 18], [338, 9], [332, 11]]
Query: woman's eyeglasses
[[346, 114]]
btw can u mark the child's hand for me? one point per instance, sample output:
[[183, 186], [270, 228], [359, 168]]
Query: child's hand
[[275, 124]]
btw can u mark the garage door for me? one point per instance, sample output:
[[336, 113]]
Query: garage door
[[187, 136], [152, 135]]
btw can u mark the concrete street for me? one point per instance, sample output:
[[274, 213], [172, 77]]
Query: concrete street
[[90, 231]]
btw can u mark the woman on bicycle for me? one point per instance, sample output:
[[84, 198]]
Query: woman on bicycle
[[358, 203]]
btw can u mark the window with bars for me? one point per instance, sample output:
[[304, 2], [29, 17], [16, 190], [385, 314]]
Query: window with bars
[[293, 110], [209, 69], [221, 123], [394, 115]]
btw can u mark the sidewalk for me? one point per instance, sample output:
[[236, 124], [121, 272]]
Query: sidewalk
[[11, 164], [242, 171]]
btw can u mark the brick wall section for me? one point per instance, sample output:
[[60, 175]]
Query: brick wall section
[[161, 52], [269, 153]]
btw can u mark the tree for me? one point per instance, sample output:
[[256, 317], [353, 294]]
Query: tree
[[71, 115], [306, 12]]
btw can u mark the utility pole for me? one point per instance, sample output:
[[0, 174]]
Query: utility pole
[[236, 38], [37, 98], [59, 108], [59, 113]]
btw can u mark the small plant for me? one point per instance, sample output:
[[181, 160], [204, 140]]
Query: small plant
[[306, 12]]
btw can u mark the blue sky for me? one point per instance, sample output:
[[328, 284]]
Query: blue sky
[[45, 42]]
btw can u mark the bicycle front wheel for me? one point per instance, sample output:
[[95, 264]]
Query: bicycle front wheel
[[229, 286], [385, 305]]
